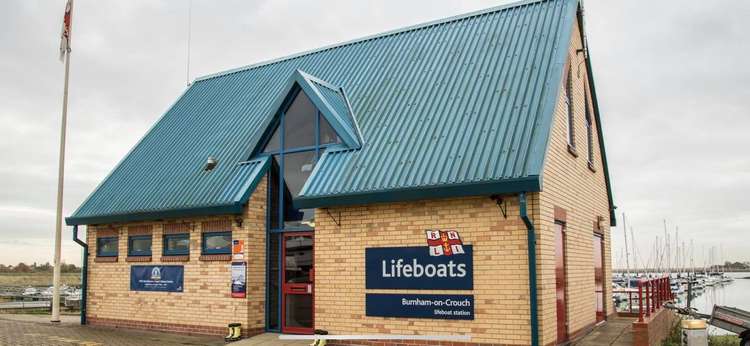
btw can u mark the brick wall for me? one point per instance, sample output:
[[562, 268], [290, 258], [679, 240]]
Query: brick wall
[[570, 184], [500, 266], [205, 306]]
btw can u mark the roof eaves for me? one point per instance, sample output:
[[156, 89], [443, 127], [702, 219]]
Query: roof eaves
[[150, 215], [504, 186]]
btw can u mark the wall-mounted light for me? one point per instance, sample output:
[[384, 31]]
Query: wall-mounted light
[[211, 162]]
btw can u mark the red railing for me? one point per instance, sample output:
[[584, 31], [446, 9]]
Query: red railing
[[651, 294]]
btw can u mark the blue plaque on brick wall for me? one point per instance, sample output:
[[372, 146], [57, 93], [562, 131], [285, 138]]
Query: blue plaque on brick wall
[[156, 278], [415, 268], [436, 306]]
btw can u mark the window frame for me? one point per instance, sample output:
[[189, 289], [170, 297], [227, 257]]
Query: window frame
[[589, 130], [132, 253], [167, 252], [570, 126], [206, 251], [100, 240], [317, 148]]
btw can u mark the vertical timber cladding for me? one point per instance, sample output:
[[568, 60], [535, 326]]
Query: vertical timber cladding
[[445, 264]]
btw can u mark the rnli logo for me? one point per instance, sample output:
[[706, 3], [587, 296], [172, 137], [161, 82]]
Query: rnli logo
[[444, 243], [156, 274]]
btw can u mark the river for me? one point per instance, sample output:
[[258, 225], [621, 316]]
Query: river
[[734, 294]]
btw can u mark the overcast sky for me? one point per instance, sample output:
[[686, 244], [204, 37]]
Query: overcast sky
[[672, 79]]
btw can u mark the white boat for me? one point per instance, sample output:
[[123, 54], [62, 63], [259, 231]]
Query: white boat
[[30, 291]]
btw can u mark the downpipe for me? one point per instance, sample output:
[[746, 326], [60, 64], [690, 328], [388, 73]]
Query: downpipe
[[84, 273], [531, 245]]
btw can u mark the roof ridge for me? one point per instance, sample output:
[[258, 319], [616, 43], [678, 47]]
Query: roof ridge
[[372, 37]]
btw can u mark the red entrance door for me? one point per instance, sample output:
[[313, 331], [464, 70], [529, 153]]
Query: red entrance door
[[562, 316], [298, 276], [599, 277]]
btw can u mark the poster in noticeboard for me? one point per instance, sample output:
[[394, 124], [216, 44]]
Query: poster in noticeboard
[[239, 279], [238, 250]]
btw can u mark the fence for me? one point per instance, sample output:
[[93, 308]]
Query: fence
[[648, 297]]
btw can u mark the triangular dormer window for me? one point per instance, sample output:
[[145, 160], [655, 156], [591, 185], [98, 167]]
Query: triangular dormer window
[[303, 126], [312, 116]]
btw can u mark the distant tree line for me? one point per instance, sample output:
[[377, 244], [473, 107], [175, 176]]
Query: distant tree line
[[38, 268], [737, 265]]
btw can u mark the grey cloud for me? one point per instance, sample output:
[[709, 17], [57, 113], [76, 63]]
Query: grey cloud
[[671, 79]]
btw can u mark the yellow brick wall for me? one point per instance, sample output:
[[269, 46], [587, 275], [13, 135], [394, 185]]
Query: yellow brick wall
[[568, 183], [500, 266], [206, 298]]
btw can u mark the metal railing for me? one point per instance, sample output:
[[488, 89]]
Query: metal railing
[[650, 296]]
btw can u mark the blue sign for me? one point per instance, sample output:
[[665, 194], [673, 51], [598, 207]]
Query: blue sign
[[437, 306], [414, 268], [156, 278]]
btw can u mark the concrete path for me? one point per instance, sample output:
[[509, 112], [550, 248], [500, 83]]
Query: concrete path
[[270, 339], [616, 332]]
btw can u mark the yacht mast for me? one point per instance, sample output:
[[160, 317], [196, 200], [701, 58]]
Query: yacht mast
[[627, 252]]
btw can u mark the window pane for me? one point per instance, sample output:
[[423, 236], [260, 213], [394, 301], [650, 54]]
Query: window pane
[[327, 134], [140, 245], [217, 242], [274, 192], [177, 244], [299, 310], [298, 259], [297, 168], [274, 270], [299, 123], [274, 144], [106, 246]]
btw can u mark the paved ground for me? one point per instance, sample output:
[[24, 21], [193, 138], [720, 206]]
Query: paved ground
[[616, 332], [270, 339], [21, 330]]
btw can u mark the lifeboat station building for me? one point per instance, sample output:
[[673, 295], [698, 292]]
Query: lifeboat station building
[[447, 178]]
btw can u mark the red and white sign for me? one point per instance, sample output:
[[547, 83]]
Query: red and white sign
[[444, 243]]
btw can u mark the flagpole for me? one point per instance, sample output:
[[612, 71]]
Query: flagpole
[[58, 215]]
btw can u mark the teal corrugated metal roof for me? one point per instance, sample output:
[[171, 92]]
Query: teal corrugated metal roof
[[461, 105]]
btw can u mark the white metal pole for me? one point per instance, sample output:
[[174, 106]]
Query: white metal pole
[[58, 215]]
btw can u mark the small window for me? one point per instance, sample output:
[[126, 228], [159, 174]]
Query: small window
[[176, 244], [569, 105], [589, 132], [139, 245], [217, 243], [106, 247]]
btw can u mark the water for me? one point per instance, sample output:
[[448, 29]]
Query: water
[[733, 294]]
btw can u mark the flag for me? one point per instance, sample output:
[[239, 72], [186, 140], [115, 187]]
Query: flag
[[66, 27]]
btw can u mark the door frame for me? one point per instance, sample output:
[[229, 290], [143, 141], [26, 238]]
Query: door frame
[[603, 316], [294, 288], [561, 339]]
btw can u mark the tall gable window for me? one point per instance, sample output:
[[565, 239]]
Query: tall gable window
[[296, 144], [589, 130], [569, 108]]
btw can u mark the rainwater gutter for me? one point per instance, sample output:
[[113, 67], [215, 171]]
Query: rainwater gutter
[[84, 272], [531, 245]]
